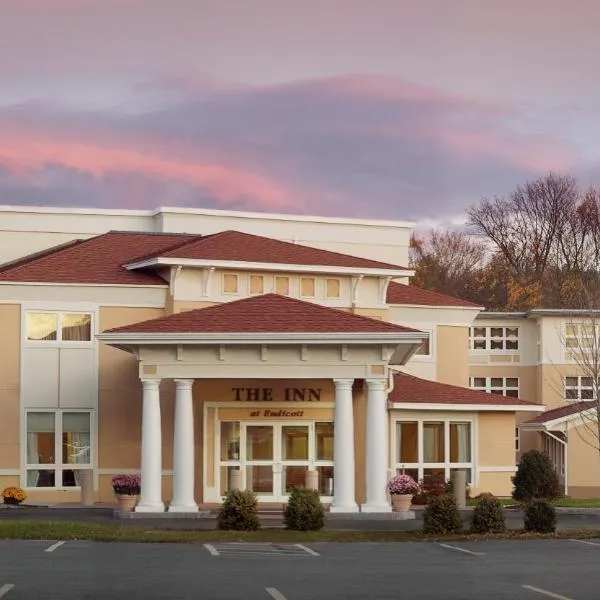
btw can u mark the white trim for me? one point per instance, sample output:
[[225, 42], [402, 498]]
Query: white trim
[[506, 469], [86, 285], [117, 471], [395, 271], [436, 307], [10, 472], [467, 407]]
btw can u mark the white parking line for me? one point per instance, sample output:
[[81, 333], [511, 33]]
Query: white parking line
[[546, 593], [275, 594], [586, 542], [213, 551], [4, 589], [307, 549], [462, 550], [54, 547]]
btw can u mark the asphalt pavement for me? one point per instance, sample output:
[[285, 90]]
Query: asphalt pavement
[[494, 570]]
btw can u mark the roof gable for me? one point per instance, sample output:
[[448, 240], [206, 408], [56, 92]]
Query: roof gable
[[268, 313], [561, 413], [399, 293], [236, 246]]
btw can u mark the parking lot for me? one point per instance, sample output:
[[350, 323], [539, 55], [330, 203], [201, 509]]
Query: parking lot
[[559, 569]]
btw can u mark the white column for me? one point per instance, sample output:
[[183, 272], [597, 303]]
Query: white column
[[151, 493], [343, 449], [377, 448], [183, 449]]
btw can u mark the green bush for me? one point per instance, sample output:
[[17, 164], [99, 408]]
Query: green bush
[[535, 478], [488, 516], [239, 511], [441, 516], [304, 511], [540, 516]]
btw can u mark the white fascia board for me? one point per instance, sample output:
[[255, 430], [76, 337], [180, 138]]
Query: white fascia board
[[279, 267], [466, 407], [262, 338], [84, 285], [476, 309]]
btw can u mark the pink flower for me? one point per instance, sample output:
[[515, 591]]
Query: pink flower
[[402, 484]]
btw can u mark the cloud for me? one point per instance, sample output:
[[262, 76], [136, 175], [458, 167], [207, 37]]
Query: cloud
[[356, 145]]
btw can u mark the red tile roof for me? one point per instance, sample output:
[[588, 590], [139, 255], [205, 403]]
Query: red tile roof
[[562, 411], [414, 390], [398, 293], [244, 247], [95, 260], [268, 313]]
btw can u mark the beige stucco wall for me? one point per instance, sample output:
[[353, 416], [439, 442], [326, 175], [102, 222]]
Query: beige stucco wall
[[583, 462], [452, 355], [10, 325], [551, 383]]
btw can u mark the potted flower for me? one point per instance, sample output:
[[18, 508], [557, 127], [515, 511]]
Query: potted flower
[[401, 489], [13, 495], [127, 488]]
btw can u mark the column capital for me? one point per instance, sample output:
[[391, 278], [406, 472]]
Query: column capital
[[343, 384], [151, 384], [184, 384], [377, 385]]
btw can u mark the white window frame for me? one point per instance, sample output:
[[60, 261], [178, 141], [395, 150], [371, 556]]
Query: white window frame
[[495, 389], [446, 465], [487, 337], [58, 467], [517, 439], [579, 388], [59, 316]]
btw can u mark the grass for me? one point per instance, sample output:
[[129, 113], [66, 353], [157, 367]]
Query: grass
[[47, 530], [561, 502]]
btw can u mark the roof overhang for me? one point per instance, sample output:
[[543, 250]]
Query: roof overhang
[[157, 262], [561, 423], [465, 407]]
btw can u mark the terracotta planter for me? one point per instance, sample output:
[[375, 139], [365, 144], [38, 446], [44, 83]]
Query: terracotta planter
[[126, 502], [401, 502]]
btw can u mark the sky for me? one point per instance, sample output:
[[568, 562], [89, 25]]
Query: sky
[[386, 109]]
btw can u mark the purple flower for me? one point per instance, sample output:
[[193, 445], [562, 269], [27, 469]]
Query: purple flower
[[128, 485], [402, 484]]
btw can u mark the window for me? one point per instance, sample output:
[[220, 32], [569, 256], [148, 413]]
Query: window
[[433, 447], [58, 327], [333, 288], [307, 286], [257, 285], [517, 438], [579, 388], [503, 386], [230, 283], [579, 336], [282, 286], [58, 447], [494, 339]]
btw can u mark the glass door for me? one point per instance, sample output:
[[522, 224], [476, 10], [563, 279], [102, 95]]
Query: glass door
[[258, 458], [295, 456]]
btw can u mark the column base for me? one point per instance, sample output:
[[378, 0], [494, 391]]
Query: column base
[[343, 508], [376, 508], [183, 508], [150, 508]]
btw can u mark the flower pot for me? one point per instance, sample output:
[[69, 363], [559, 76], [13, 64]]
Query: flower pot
[[126, 502], [401, 502]]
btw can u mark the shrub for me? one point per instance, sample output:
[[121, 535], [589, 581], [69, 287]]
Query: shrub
[[239, 511], [535, 478], [431, 487], [540, 516], [13, 495], [488, 516], [402, 484], [442, 516], [126, 485], [304, 511]]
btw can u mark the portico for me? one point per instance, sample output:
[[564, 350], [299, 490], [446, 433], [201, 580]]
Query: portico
[[348, 366]]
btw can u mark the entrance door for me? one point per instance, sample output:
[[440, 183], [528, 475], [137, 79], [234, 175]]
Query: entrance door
[[257, 464]]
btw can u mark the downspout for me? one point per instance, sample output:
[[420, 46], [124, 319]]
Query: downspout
[[566, 457]]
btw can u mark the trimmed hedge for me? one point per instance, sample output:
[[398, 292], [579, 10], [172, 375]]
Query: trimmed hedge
[[540, 516], [441, 516], [535, 478], [488, 516], [239, 511], [304, 510]]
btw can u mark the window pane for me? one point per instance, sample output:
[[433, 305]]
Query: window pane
[[480, 344], [230, 440], [282, 285], [414, 473], [512, 393], [512, 332], [76, 328], [259, 442], [496, 332], [587, 394], [587, 381], [294, 476], [324, 441], [512, 344], [479, 382], [407, 442], [571, 381], [230, 283], [497, 382], [41, 478], [460, 442], [294, 442], [479, 332], [333, 288], [433, 442], [40, 438], [325, 481], [308, 286], [76, 439], [512, 382], [256, 284], [571, 394], [41, 326], [497, 344], [259, 479]]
